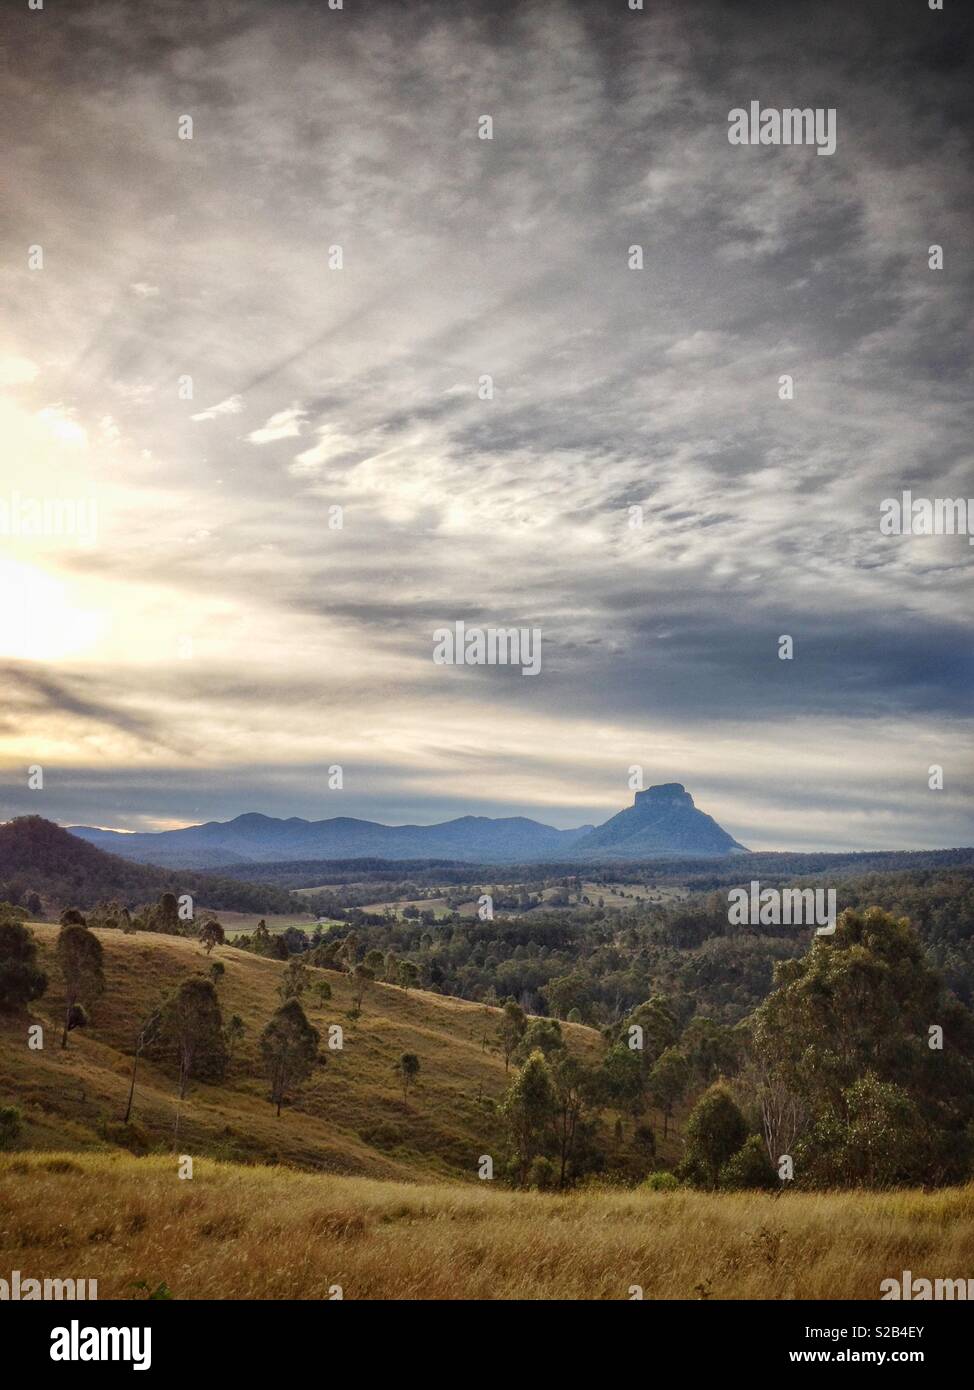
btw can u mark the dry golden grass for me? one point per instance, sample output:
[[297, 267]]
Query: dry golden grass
[[235, 1232]]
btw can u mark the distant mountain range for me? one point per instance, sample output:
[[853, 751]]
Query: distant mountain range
[[662, 821]]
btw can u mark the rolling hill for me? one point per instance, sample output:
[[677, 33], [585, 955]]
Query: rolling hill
[[42, 857], [349, 1118]]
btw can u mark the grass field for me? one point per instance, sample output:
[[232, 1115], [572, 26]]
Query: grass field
[[355, 1186], [232, 1232], [235, 923]]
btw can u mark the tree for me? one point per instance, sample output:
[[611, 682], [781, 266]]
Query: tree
[[859, 1006], [361, 975], [217, 971], [289, 1046], [233, 1033], [715, 1131], [876, 1137], [376, 962], [712, 1049], [783, 1115], [408, 1069], [348, 953], [109, 916], [79, 954], [577, 1089], [857, 1001], [668, 1083], [192, 1025], [658, 1023], [541, 1035], [323, 991], [295, 979], [529, 1109], [20, 979], [164, 917], [511, 1030], [623, 1080], [570, 992], [211, 934], [147, 1033], [408, 974]]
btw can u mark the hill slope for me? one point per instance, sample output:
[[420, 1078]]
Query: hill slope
[[350, 1117], [39, 855]]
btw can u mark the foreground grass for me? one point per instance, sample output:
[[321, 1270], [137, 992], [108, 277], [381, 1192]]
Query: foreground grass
[[270, 1233]]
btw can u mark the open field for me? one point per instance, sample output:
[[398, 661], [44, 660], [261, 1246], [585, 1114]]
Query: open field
[[609, 895], [233, 1232], [235, 923]]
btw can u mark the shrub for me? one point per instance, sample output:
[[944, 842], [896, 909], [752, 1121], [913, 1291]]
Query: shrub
[[126, 1136], [11, 1123], [661, 1181], [20, 979], [750, 1167], [541, 1173]]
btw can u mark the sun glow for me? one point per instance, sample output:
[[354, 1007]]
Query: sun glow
[[37, 620]]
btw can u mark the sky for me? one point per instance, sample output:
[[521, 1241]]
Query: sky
[[200, 638]]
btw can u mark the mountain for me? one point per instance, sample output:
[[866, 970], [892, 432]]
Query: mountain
[[255, 838], [663, 820], [38, 856]]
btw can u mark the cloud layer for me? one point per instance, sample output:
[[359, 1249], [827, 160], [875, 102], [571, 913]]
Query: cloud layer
[[221, 640]]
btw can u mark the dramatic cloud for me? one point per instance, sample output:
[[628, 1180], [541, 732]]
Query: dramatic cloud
[[254, 361]]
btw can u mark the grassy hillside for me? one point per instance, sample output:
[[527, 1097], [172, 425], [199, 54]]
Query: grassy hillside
[[122, 1220], [350, 1117]]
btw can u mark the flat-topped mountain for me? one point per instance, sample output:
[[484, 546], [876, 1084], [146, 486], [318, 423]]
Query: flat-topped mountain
[[663, 820]]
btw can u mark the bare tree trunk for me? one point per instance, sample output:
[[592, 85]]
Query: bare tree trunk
[[128, 1108], [782, 1114]]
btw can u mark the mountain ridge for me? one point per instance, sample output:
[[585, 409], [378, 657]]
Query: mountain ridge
[[662, 820]]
